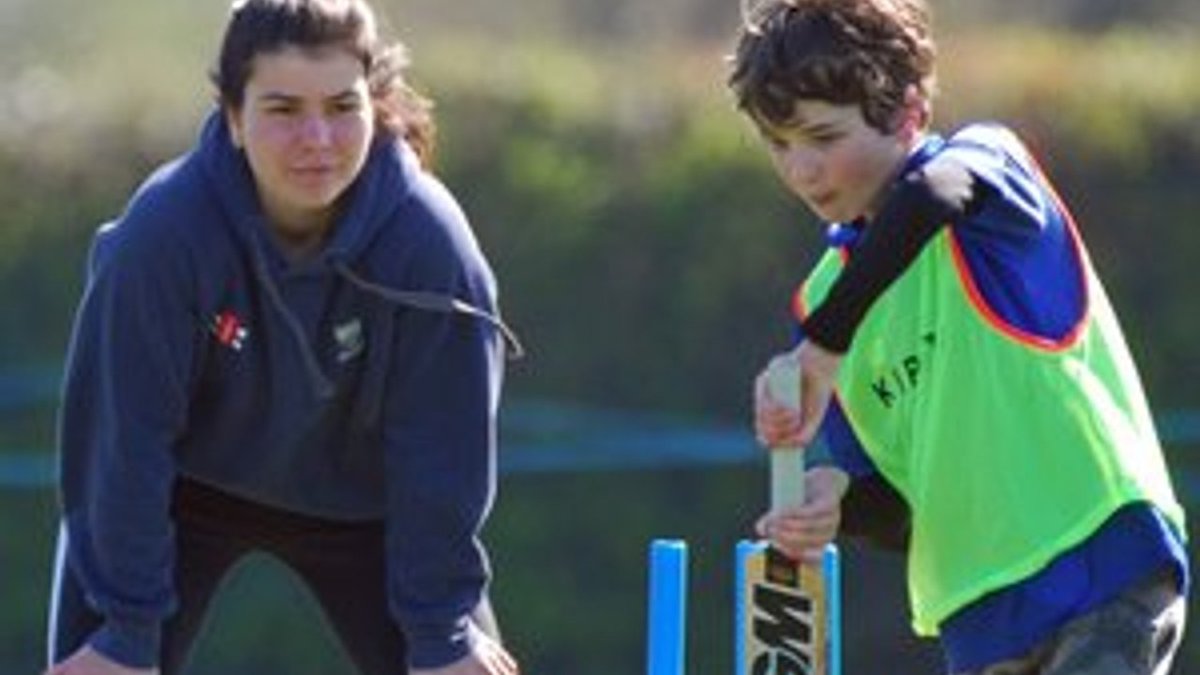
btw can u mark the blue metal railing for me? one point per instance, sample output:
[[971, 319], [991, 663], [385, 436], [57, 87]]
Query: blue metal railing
[[542, 437]]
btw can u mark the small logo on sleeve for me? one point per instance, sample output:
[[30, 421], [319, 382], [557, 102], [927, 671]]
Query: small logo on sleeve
[[229, 330]]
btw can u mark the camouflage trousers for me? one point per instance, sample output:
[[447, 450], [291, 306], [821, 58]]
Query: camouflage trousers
[[1135, 634]]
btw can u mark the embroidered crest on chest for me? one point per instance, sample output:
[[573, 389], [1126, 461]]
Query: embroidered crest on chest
[[348, 337]]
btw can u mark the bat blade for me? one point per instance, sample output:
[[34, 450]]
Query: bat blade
[[787, 613]]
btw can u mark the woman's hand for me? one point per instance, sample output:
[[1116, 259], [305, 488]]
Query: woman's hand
[[88, 661], [487, 657], [803, 532]]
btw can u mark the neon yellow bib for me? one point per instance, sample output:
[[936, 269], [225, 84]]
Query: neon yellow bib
[[1009, 449]]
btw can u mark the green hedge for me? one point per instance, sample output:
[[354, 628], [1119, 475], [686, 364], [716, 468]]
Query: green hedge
[[645, 254]]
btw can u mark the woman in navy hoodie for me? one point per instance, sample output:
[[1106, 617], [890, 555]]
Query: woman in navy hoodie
[[289, 344]]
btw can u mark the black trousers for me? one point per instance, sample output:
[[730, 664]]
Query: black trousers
[[343, 564]]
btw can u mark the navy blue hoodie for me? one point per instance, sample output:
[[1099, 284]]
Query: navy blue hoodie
[[360, 384]]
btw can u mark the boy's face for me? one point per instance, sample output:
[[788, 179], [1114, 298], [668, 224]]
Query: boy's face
[[833, 160]]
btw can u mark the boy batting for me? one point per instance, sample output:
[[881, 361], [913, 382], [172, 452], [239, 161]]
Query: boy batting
[[983, 384]]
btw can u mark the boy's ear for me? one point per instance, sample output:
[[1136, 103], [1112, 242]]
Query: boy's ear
[[913, 116]]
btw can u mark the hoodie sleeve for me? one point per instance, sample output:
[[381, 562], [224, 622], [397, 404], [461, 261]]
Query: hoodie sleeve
[[124, 404], [440, 437]]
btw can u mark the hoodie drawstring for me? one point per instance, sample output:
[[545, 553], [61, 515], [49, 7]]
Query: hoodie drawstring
[[424, 300], [322, 385], [434, 302]]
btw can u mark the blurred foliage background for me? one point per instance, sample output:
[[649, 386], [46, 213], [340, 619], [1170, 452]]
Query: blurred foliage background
[[645, 254]]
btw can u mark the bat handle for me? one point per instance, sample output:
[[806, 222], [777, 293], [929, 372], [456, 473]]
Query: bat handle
[[787, 477], [787, 464]]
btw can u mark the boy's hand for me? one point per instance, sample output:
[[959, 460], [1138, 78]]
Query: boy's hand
[[780, 426], [88, 661], [487, 657], [803, 532]]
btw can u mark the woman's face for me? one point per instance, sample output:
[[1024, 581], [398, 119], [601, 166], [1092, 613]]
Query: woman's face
[[306, 124]]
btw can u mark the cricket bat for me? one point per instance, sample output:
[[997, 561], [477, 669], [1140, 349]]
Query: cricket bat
[[787, 613]]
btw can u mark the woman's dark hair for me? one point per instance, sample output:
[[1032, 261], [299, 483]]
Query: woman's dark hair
[[267, 26]]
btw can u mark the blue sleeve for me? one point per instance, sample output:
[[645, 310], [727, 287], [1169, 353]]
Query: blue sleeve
[[440, 437], [1021, 208], [124, 405], [1019, 245], [845, 450]]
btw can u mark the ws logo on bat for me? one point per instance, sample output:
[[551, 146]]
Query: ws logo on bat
[[784, 614]]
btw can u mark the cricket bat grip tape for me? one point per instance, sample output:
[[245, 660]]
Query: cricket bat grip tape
[[787, 463]]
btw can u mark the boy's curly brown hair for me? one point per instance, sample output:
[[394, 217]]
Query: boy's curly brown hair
[[845, 52]]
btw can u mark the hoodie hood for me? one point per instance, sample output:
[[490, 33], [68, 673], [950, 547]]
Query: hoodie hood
[[371, 203], [384, 182]]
